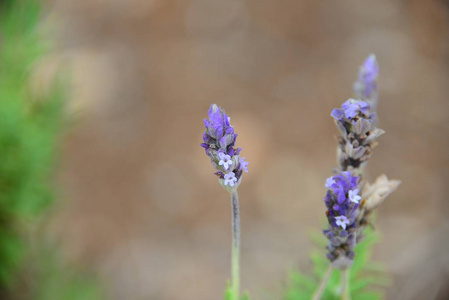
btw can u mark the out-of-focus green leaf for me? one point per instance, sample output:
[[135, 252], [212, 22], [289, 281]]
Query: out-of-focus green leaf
[[30, 127], [366, 278]]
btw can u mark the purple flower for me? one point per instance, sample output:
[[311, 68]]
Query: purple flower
[[358, 132], [329, 182], [352, 108], [337, 114], [352, 111], [366, 85], [340, 190], [342, 209], [218, 141], [342, 221], [357, 126], [219, 131], [216, 123], [230, 179], [369, 70], [244, 164], [364, 107]]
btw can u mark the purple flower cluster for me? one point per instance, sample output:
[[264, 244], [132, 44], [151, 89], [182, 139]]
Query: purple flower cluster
[[219, 140], [342, 196], [350, 109], [342, 202], [358, 133]]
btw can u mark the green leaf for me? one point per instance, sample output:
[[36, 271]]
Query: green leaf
[[366, 277], [228, 292], [30, 129]]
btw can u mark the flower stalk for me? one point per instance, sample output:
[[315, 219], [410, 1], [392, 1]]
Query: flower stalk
[[235, 245], [319, 292], [345, 294], [219, 141]]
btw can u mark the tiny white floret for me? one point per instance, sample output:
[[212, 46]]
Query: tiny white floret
[[230, 179], [225, 160], [342, 221], [354, 196]]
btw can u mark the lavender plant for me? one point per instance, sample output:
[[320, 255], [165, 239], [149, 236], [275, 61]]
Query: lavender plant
[[219, 141], [350, 201]]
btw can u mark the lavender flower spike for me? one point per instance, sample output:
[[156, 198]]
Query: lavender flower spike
[[358, 134], [342, 212], [218, 141]]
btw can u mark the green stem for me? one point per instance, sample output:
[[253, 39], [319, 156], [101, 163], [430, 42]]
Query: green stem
[[345, 295], [235, 246], [319, 292]]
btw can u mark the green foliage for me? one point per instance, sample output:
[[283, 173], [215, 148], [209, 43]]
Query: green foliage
[[30, 126], [28, 133], [366, 278], [228, 294], [58, 281]]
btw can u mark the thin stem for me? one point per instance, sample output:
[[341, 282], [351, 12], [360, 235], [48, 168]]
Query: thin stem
[[322, 287], [345, 294], [235, 245]]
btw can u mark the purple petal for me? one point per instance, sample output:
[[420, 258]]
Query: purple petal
[[352, 111], [337, 114], [346, 104], [364, 107], [226, 140], [370, 69]]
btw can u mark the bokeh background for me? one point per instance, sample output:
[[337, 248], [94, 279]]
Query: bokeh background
[[142, 207]]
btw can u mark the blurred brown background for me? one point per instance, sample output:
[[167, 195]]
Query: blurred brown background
[[143, 208]]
